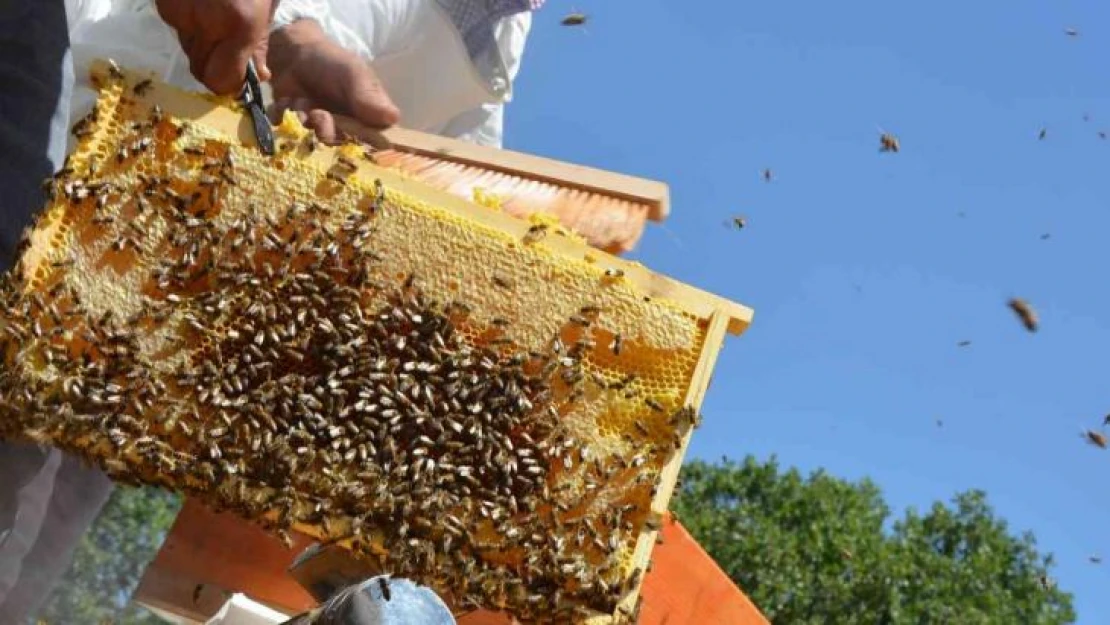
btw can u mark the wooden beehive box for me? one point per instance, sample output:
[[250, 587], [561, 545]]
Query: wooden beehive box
[[485, 404]]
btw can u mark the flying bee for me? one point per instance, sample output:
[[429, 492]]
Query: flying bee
[[1071, 32], [889, 143], [1097, 439], [738, 222], [574, 19], [1042, 134], [1025, 313], [963, 343], [768, 175], [383, 584], [142, 87]]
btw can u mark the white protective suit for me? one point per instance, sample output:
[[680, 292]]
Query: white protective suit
[[412, 44]]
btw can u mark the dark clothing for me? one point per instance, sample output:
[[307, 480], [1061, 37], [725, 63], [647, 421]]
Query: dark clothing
[[47, 499]]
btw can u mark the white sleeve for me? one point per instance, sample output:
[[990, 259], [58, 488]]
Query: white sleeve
[[329, 15], [482, 126]]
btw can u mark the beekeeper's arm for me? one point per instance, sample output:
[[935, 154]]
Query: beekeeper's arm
[[474, 55], [220, 36]]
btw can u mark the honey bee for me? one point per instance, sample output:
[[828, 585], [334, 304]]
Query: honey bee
[[535, 234], [963, 343], [1095, 559], [768, 175], [383, 584], [1071, 32], [616, 345], [142, 87], [739, 222], [1025, 313], [114, 71], [889, 143], [1042, 134], [1097, 439], [575, 19]]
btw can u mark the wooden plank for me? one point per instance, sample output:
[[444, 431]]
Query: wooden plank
[[214, 113], [656, 195], [668, 477], [685, 585], [228, 554]]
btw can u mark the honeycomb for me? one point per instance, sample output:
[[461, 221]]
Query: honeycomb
[[322, 345]]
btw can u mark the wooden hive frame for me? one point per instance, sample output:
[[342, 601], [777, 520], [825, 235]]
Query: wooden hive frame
[[718, 315]]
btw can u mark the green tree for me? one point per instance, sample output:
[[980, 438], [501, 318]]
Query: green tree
[[822, 550], [110, 560]]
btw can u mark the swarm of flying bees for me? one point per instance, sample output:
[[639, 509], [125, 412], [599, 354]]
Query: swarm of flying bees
[[1025, 313], [889, 143]]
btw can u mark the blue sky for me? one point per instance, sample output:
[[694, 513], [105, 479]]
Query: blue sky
[[863, 274]]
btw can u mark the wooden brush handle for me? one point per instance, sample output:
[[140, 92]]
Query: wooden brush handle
[[654, 194]]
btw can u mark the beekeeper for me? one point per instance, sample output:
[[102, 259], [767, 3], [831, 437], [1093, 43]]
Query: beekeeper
[[442, 66]]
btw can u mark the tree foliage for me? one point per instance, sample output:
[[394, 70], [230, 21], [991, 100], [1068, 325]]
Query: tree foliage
[[110, 560], [822, 550]]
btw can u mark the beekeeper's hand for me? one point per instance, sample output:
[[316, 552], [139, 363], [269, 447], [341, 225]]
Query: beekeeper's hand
[[220, 36], [317, 77]]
